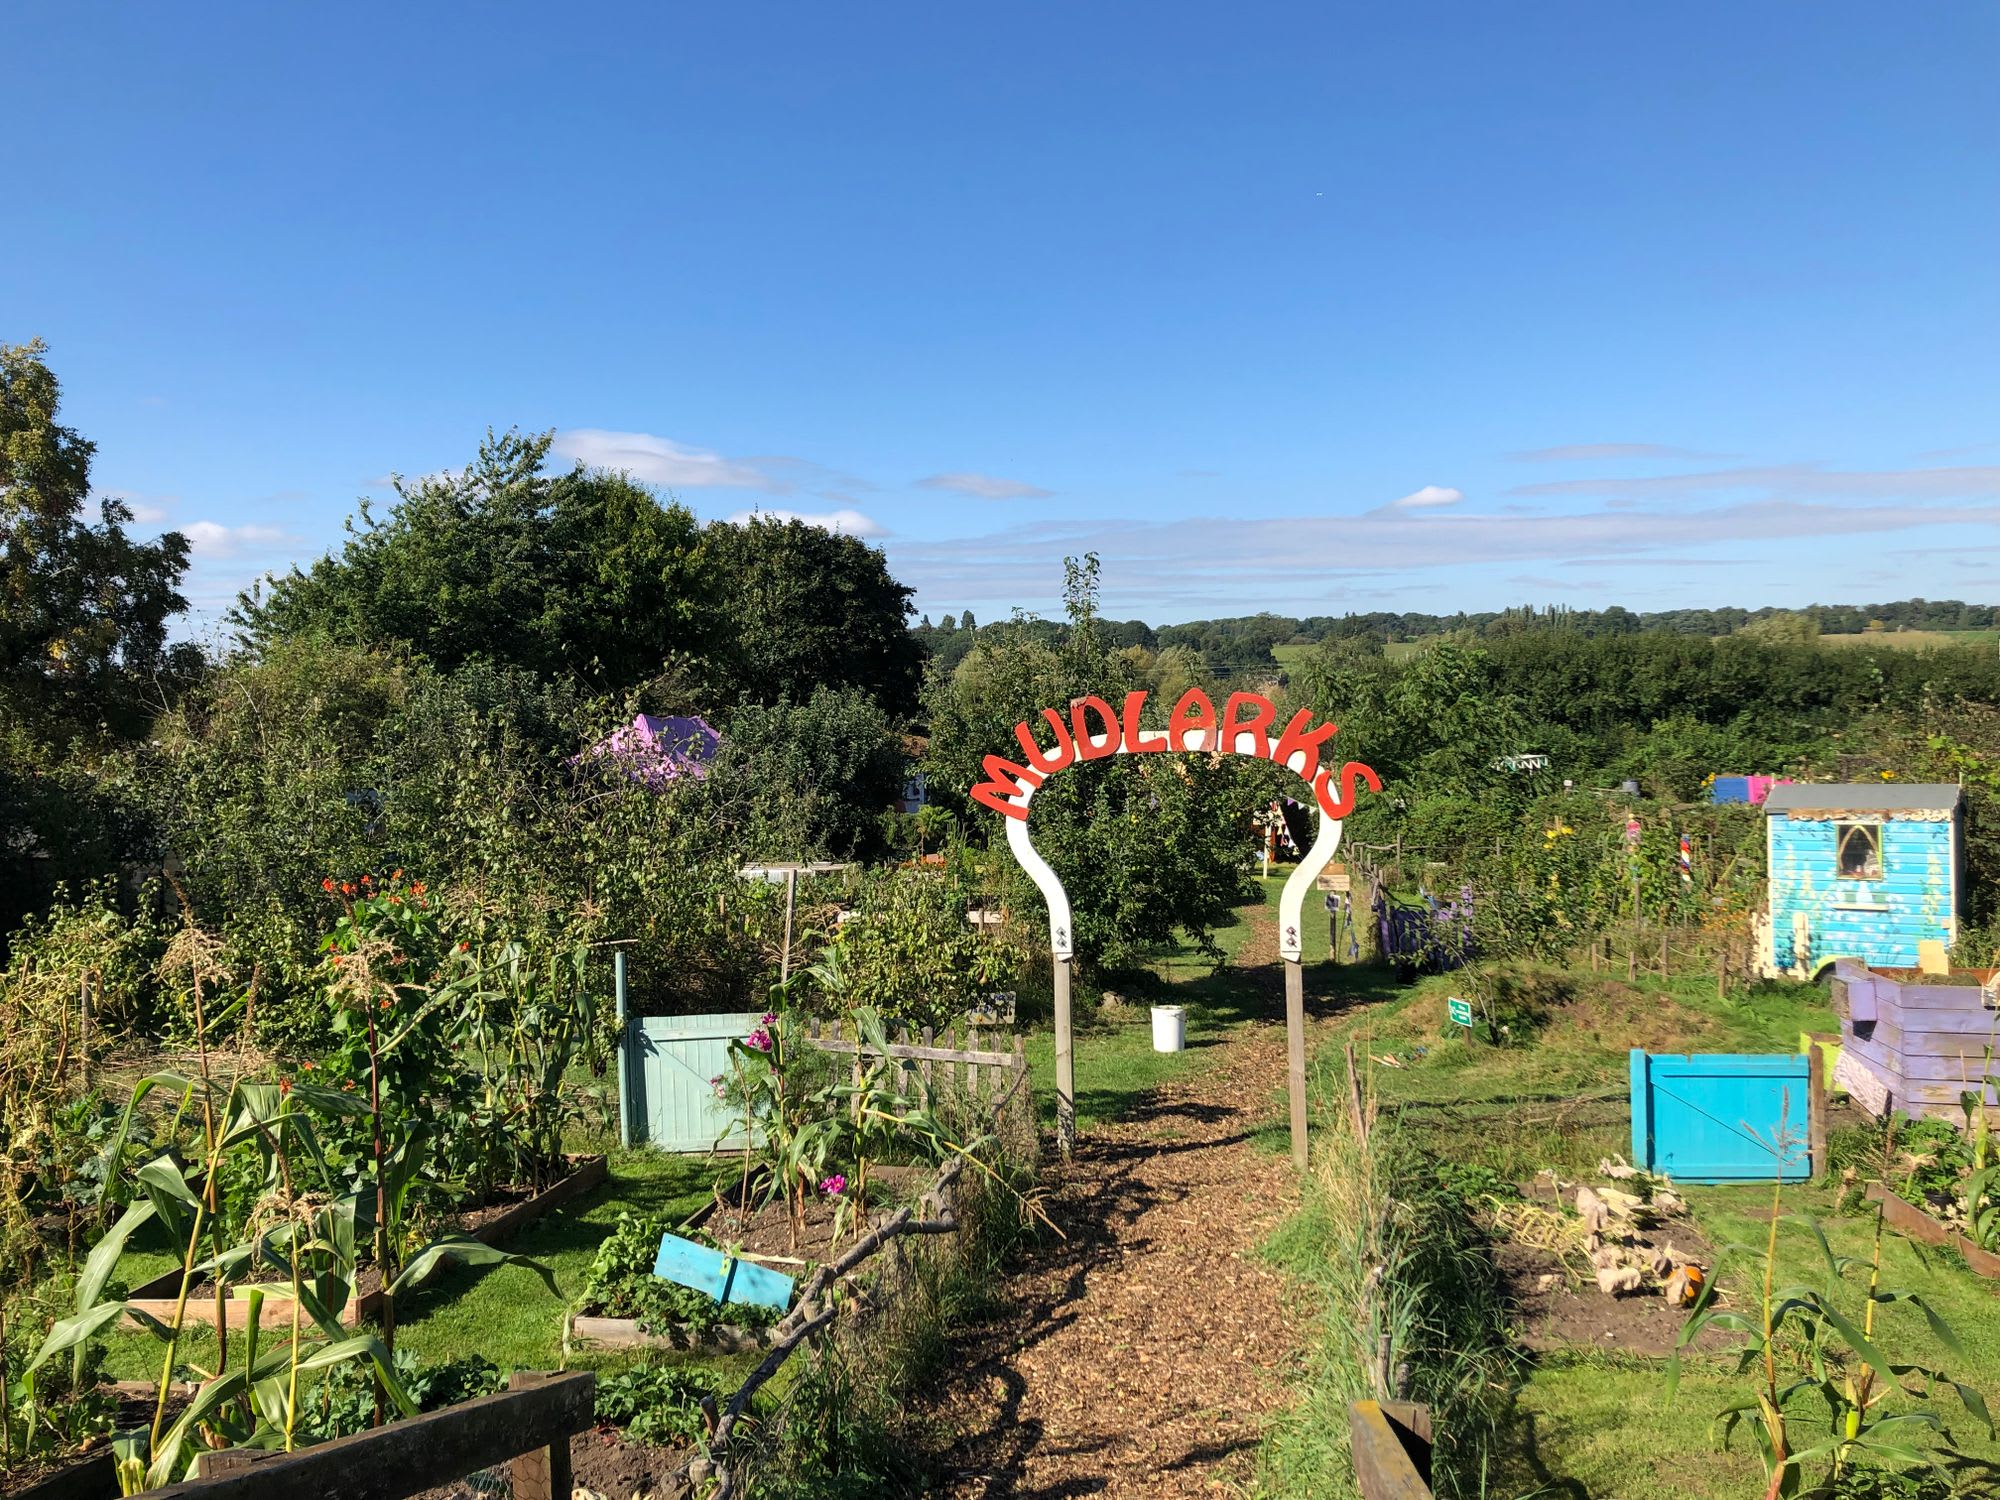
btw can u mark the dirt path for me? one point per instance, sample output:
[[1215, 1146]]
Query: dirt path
[[1143, 1356]]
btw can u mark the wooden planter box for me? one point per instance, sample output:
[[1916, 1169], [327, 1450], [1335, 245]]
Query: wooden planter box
[[160, 1296], [625, 1333], [1906, 1218]]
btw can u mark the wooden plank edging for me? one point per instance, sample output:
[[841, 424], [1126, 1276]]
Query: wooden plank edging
[[415, 1454], [1390, 1444], [91, 1478], [1907, 1219]]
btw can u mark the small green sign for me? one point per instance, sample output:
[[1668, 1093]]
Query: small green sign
[[1461, 1010]]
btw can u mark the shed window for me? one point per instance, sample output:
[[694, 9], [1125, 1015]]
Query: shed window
[[1860, 850]]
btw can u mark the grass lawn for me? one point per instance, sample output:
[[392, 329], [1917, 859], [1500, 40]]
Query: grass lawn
[[1586, 1423]]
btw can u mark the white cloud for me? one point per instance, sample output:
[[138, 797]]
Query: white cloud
[[213, 540], [984, 487], [658, 460], [1427, 498], [1605, 452], [852, 522]]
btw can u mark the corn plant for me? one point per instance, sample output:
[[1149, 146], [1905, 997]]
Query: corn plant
[[1804, 1343]]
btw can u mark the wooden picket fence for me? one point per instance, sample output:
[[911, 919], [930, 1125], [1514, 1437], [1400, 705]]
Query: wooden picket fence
[[991, 1069]]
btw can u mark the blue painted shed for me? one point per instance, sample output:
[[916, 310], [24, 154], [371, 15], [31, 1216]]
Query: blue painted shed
[[1864, 870]]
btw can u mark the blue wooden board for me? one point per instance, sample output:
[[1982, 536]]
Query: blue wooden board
[[1716, 1117], [723, 1277]]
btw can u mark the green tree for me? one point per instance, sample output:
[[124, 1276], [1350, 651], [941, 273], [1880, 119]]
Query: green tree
[[583, 573], [805, 608], [83, 607]]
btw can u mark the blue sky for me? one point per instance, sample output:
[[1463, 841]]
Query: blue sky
[[1302, 307]]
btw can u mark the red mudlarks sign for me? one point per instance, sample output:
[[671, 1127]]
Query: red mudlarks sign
[[1094, 730], [1193, 725]]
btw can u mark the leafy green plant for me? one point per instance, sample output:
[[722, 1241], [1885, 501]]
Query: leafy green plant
[[621, 1284], [658, 1404]]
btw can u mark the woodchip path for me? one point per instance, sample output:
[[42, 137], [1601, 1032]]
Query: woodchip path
[[1144, 1355]]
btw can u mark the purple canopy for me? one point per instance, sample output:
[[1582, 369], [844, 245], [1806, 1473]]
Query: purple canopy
[[659, 750]]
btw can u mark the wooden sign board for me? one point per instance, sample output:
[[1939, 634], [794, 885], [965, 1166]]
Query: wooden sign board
[[723, 1277], [1336, 878]]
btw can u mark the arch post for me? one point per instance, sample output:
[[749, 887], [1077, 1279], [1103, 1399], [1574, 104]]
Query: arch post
[[1295, 1054], [1065, 1063]]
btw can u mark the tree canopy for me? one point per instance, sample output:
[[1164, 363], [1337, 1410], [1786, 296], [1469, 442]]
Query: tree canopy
[[83, 606]]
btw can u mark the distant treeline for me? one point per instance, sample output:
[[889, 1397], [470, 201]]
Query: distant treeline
[[1245, 642]]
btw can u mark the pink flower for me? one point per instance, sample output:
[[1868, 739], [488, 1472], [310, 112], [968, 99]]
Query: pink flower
[[759, 1040], [770, 1018], [833, 1186]]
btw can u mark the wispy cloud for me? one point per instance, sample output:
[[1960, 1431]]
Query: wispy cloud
[[661, 461], [214, 542], [852, 522], [147, 510], [1430, 497], [984, 487], [1168, 564], [1590, 453], [1791, 481]]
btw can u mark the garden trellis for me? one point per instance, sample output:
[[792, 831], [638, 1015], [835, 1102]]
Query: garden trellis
[[1243, 728]]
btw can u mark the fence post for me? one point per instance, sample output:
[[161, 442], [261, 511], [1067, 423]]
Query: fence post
[[545, 1473], [929, 1035], [1295, 1048], [623, 1051], [1816, 1108], [972, 1068]]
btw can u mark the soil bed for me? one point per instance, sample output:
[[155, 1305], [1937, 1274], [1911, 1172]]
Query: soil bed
[[602, 1461]]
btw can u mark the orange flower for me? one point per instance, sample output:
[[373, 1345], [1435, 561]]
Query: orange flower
[[327, 885], [395, 874], [348, 1086], [416, 888], [284, 1086], [347, 888]]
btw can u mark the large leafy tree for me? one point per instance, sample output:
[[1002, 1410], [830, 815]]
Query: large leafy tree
[[582, 573], [811, 608], [83, 605]]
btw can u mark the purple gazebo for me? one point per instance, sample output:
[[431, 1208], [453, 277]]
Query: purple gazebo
[[658, 750]]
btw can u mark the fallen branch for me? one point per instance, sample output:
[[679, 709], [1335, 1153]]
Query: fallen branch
[[809, 1316]]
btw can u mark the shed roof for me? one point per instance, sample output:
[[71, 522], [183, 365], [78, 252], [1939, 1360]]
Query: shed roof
[[1869, 796]]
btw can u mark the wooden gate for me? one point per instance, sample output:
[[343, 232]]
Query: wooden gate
[[671, 1063]]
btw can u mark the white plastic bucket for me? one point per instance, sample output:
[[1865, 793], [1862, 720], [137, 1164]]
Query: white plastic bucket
[[1169, 1028]]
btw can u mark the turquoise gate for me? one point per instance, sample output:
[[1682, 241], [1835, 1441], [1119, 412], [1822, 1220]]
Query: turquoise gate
[[669, 1098], [1716, 1117]]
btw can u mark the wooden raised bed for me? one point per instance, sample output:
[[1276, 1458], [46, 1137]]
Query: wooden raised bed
[[1906, 1218], [625, 1333], [160, 1296]]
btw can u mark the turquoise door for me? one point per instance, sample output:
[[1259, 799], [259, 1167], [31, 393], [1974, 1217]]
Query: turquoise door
[[670, 1062]]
